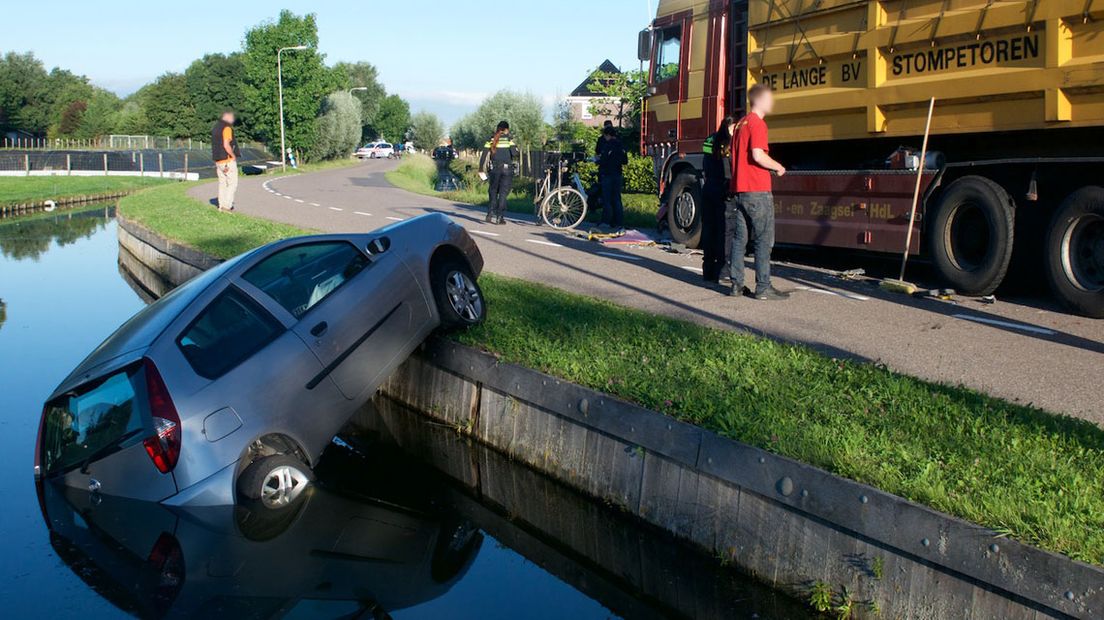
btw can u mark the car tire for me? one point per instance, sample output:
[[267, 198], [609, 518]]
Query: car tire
[[971, 235], [1075, 252], [684, 209], [459, 298], [458, 541], [274, 482]]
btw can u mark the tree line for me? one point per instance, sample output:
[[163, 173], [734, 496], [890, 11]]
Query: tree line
[[328, 109]]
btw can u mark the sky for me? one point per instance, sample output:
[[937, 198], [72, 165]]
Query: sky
[[443, 56]]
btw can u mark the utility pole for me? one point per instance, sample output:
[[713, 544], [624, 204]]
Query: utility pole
[[280, 86]]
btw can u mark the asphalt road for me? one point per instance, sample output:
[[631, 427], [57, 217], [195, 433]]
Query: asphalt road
[[1022, 350]]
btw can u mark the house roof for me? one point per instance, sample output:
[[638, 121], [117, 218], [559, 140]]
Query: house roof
[[583, 89]]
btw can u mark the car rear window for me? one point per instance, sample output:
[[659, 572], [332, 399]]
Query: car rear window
[[300, 277], [92, 421], [226, 333]]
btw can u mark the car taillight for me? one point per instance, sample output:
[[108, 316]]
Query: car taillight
[[163, 447]]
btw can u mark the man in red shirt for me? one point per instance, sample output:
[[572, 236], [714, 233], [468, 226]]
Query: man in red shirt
[[753, 206]]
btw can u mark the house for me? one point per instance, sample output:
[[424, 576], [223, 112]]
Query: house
[[584, 97]]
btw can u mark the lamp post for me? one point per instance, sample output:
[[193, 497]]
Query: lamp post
[[280, 86]]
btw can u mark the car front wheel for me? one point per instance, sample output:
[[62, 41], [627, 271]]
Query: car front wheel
[[459, 299]]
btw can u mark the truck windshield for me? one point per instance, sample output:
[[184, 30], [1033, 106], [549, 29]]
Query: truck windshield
[[91, 422]]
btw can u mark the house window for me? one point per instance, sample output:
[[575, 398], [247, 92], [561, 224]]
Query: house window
[[585, 114]]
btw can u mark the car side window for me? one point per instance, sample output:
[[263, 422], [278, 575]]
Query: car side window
[[669, 54], [226, 333], [300, 277]]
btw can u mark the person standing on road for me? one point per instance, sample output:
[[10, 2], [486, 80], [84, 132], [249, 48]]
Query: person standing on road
[[718, 175], [225, 153], [500, 156], [752, 210], [611, 158]]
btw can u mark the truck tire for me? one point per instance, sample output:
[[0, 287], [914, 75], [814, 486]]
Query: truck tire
[[971, 235], [684, 209], [1075, 252]]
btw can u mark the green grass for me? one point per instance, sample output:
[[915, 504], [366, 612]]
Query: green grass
[[172, 212], [1024, 472], [30, 189], [418, 174], [318, 166]]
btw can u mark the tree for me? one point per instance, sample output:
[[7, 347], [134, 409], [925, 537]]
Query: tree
[[364, 75], [215, 83], [522, 110], [306, 80], [168, 106], [427, 130], [339, 126], [71, 118], [621, 93], [393, 119], [24, 95]]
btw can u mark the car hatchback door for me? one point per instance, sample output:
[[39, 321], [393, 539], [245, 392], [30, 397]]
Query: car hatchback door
[[351, 307]]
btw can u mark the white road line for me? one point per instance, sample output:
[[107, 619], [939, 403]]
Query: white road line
[[548, 243], [277, 193], [397, 219], [289, 198], [824, 291], [299, 201], [1020, 326], [621, 256], [335, 209], [694, 269], [315, 204], [483, 232], [363, 213]]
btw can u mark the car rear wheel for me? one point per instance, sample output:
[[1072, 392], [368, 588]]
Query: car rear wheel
[[275, 482], [1075, 252], [971, 235], [459, 299], [684, 210]]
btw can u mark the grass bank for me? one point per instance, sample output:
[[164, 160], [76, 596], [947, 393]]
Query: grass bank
[[418, 174], [18, 190], [1019, 470], [317, 166]]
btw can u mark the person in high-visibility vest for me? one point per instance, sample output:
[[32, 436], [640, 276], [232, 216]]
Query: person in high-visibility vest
[[717, 168], [499, 161]]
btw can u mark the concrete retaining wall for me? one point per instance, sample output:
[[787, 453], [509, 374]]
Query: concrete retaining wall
[[788, 524]]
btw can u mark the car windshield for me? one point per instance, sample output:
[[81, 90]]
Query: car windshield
[[84, 424]]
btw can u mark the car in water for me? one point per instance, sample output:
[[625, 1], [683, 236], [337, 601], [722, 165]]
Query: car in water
[[445, 153], [228, 389]]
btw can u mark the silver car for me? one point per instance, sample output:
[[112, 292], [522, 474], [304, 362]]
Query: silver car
[[238, 379]]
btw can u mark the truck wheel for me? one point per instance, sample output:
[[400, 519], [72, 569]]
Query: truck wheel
[[1075, 252], [684, 210], [971, 235]]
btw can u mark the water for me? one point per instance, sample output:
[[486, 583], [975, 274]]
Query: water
[[383, 534]]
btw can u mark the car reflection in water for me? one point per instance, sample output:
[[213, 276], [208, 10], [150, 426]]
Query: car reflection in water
[[363, 542]]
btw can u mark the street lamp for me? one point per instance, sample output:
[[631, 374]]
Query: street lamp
[[357, 88], [280, 85]]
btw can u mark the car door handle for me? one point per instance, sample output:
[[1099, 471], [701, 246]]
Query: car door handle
[[320, 329]]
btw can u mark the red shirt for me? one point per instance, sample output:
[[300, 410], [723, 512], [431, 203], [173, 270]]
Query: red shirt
[[748, 176]]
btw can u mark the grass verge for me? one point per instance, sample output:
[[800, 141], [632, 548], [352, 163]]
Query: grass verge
[[172, 212], [418, 174], [318, 166], [1021, 471], [32, 189]]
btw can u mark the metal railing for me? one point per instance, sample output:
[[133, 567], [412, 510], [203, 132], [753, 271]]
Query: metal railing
[[177, 163]]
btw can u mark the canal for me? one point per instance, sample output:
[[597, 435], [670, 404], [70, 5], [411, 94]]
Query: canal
[[392, 529]]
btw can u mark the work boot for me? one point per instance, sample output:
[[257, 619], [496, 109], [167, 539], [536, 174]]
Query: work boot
[[771, 294], [490, 219], [738, 290], [500, 221]]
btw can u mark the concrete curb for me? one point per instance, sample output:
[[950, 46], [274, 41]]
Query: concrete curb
[[785, 522]]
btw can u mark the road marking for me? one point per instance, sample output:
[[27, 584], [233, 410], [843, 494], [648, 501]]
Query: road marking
[[335, 209], [299, 201], [483, 232], [694, 269], [363, 213], [548, 243], [397, 219], [824, 291], [315, 204], [277, 193], [289, 198], [622, 256], [1020, 326]]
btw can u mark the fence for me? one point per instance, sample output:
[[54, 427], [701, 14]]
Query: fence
[[189, 164], [114, 142]]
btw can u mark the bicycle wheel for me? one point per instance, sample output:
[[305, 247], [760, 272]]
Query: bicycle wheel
[[564, 208]]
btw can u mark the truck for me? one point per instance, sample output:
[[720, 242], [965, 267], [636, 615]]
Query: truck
[[1014, 177]]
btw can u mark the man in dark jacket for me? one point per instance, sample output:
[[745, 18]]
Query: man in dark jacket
[[611, 158], [225, 153]]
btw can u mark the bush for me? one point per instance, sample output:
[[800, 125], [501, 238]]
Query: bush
[[338, 126], [639, 175]]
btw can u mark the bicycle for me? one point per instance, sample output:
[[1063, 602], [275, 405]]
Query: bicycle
[[561, 206]]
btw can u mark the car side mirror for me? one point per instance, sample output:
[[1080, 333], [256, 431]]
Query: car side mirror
[[378, 246]]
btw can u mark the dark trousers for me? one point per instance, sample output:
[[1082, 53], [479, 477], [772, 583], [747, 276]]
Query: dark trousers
[[613, 212], [714, 236], [751, 217], [499, 185]]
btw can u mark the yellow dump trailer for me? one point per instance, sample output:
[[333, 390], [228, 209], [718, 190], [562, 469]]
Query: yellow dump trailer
[[1017, 167]]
